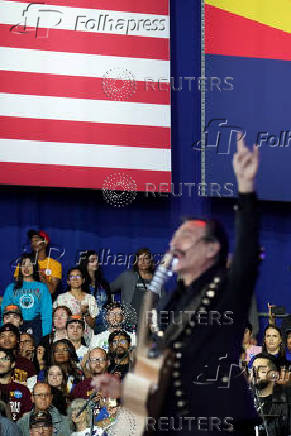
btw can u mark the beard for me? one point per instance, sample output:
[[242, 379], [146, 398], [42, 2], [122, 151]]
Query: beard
[[261, 385], [121, 352]]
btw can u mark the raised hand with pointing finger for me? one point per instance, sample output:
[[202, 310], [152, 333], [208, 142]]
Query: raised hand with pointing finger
[[245, 165]]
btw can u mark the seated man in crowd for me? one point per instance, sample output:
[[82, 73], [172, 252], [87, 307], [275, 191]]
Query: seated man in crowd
[[26, 346], [60, 318], [13, 315], [42, 400], [115, 318], [41, 423], [9, 340], [271, 398], [75, 333], [95, 363], [119, 353], [14, 394]]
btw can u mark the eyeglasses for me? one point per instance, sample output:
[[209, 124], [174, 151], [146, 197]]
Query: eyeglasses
[[98, 360], [27, 341], [5, 359], [54, 375], [122, 342], [76, 277], [42, 395]]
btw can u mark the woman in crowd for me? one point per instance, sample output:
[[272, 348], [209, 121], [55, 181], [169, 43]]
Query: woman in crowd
[[134, 283], [56, 378], [96, 284], [81, 423], [79, 301], [32, 297], [64, 355]]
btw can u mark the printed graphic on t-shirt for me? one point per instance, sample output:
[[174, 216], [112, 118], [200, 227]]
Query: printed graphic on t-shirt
[[26, 301], [20, 375]]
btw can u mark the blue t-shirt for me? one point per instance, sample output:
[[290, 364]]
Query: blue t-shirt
[[34, 299]]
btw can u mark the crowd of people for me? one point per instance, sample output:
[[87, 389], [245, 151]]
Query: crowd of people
[[52, 346], [52, 343]]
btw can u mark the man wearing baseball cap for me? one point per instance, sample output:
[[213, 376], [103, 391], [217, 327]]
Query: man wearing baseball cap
[[13, 315], [9, 340], [75, 332], [42, 404], [50, 270], [40, 420]]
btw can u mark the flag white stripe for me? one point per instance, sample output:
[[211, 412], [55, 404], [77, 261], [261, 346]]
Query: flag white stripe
[[80, 64], [95, 111], [102, 156], [90, 20]]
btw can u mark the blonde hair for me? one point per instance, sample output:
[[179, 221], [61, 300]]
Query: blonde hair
[[78, 403]]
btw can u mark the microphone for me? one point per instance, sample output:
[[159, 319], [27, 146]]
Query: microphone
[[161, 274], [255, 375]]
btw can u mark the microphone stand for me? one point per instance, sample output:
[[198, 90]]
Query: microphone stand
[[91, 404], [259, 405]]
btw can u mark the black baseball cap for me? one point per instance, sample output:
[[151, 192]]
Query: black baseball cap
[[40, 419], [10, 328], [13, 309], [41, 233], [76, 318]]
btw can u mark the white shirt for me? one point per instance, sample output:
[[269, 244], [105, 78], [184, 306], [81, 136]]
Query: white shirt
[[81, 353], [67, 299], [101, 340]]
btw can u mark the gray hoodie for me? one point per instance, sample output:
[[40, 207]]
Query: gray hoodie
[[61, 425]]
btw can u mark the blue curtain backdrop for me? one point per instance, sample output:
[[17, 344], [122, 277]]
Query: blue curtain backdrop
[[81, 219]]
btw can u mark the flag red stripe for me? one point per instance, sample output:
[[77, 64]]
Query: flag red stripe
[[85, 132], [71, 41], [15, 82], [239, 36], [158, 7], [78, 177]]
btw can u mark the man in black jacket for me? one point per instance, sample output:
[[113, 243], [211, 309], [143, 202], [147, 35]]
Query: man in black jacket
[[203, 391], [207, 392]]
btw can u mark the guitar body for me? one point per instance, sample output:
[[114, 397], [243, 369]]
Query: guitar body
[[142, 399]]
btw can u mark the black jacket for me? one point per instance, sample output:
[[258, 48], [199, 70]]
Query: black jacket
[[210, 349]]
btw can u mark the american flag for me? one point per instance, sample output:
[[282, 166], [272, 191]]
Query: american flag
[[85, 92]]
